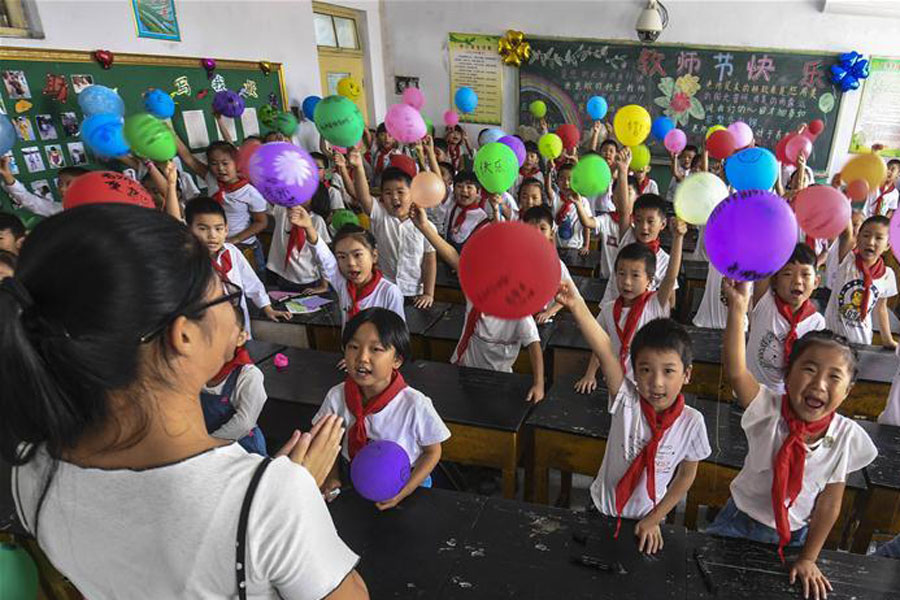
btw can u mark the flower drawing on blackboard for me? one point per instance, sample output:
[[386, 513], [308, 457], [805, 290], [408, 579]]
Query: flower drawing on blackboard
[[679, 100]]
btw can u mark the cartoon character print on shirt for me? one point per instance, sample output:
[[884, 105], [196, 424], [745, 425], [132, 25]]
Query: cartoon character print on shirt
[[770, 356], [664, 454], [849, 302]]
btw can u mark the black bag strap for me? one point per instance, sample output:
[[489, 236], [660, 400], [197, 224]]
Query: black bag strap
[[241, 553]]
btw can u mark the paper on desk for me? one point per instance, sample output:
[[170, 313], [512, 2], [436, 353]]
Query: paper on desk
[[306, 305], [249, 122], [229, 125], [195, 126]]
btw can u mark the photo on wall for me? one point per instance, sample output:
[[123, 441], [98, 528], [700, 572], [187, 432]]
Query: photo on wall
[[46, 128], [55, 157], [77, 154], [70, 124], [156, 19], [79, 82], [13, 164], [16, 85], [41, 188], [34, 162], [24, 129]]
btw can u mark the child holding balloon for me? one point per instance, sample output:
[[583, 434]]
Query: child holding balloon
[[468, 213], [458, 146], [540, 217], [567, 204], [883, 201], [292, 262], [801, 450], [22, 198]]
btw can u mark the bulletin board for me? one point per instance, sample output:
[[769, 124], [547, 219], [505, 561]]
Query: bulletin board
[[773, 91], [475, 63], [40, 96], [878, 116]]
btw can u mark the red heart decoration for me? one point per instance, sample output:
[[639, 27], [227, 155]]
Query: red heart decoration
[[104, 57]]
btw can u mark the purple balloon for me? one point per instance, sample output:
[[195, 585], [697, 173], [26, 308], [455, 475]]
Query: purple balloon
[[380, 470], [516, 145], [750, 235], [283, 173], [228, 103]]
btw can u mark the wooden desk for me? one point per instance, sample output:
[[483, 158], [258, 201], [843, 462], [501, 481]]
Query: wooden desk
[[446, 285], [586, 266], [485, 410], [880, 506], [693, 273], [591, 289], [260, 350], [877, 368]]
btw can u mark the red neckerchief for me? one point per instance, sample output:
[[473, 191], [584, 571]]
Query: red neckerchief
[[634, 315], [870, 274], [296, 241], [358, 294], [810, 241], [222, 264], [241, 358], [471, 321], [642, 185], [793, 319], [564, 209], [653, 245], [787, 468], [382, 156], [646, 460], [463, 212], [225, 188], [527, 172], [356, 436], [325, 183], [882, 192], [614, 215], [455, 154]]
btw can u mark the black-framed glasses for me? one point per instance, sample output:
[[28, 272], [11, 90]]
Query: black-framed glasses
[[232, 294]]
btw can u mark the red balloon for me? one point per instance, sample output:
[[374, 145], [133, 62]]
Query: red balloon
[[106, 187], [246, 151], [822, 211], [509, 270], [569, 135], [858, 190], [816, 126], [781, 149], [721, 144]]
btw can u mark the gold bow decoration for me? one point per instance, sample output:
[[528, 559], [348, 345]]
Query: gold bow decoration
[[513, 48]]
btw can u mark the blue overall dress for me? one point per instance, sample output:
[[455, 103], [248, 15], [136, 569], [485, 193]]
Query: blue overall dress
[[217, 410]]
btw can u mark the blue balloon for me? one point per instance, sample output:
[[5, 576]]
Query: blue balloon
[[662, 126], [466, 100], [7, 134], [99, 99], [159, 104], [491, 135], [104, 135], [597, 107], [309, 106], [752, 169]]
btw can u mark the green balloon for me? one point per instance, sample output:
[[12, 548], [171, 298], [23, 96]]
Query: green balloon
[[429, 126], [286, 123], [150, 137], [591, 176], [342, 217], [640, 157], [18, 573], [550, 146], [538, 109], [496, 167], [339, 121], [267, 114]]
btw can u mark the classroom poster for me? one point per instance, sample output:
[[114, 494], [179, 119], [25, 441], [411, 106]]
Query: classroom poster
[[476, 63], [878, 116], [156, 19]]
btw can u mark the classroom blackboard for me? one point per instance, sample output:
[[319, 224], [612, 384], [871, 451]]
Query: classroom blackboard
[[773, 91], [49, 118]]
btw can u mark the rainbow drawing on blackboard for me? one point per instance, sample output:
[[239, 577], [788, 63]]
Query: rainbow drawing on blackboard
[[553, 95]]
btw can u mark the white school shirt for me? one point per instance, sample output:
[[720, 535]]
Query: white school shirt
[[401, 249], [564, 275], [571, 223], [170, 531], [495, 344], [653, 309], [888, 203], [652, 187], [700, 249], [22, 198], [673, 185], [306, 136], [832, 262], [685, 440], [843, 449], [608, 232], [765, 348], [438, 214], [247, 399], [713, 312], [506, 199], [662, 264], [474, 219], [303, 266], [243, 276], [238, 205], [842, 312], [891, 413], [410, 420], [385, 295]]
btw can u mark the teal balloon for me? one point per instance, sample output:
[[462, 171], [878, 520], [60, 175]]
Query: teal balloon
[[18, 573], [159, 104], [597, 107], [104, 134], [591, 176], [99, 99], [496, 167], [752, 169], [286, 123], [7, 134]]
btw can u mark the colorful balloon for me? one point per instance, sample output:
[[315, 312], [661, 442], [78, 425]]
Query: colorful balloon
[[283, 173], [228, 103], [750, 235], [516, 145], [569, 135], [816, 126], [150, 137], [414, 97], [491, 135], [752, 169], [99, 99], [339, 121], [697, 196], [640, 157], [743, 134], [159, 104], [496, 167], [632, 124], [267, 115], [714, 129], [106, 187], [661, 127], [286, 123], [894, 234], [349, 88], [7, 134], [721, 144], [451, 119], [104, 134], [18, 573], [429, 126], [675, 141], [405, 123], [427, 189], [798, 146], [781, 147], [509, 270], [309, 106], [591, 176], [865, 166], [822, 211], [858, 190], [342, 217], [550, 146], [538, 109], [466, 100], [597, 107], [380, 470], [244, 153]]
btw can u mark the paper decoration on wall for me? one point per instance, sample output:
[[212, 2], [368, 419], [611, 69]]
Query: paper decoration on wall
[[513, 48], [217, 83], [273, 99], [23, 106], [104, 57], [57, 87], [248, 89], [202, 93], [182, 86], [850, 70], [265, 66]]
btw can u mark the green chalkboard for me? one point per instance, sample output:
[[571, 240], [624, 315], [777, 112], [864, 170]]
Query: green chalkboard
[[773, 91], [54, 120]]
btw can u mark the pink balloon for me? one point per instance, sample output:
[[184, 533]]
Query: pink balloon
[[405, 123], [339, 149], [858, 190], [894, 233], [743, 135], [675, 141], [414, 97], [451, 119], [798, 146], [822, 211]]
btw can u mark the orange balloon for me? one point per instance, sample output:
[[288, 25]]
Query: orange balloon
[[427, 190], [858, 190]]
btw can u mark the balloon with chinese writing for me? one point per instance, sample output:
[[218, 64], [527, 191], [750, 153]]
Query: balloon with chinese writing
[[159, 104], [380, 470], [405, 123], [865, 166], [822, 211], [284, 174], [106, 187], [640, 157], [591, 176], [550, 146], [675, 141], [632, 124], [697, 196], [466, 100], [309, 106], [427, 189], [496, 167], [538, 109], [104, 134], [661, 127], [752, 169], [597, 107], [414, 97], [7, 134], [339, 121], [99, 99], [150, 137], [228, 103]]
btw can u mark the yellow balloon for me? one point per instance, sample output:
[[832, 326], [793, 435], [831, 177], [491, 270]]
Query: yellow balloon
[[348, 87], [714, 129], [632, 124], [869, 167]]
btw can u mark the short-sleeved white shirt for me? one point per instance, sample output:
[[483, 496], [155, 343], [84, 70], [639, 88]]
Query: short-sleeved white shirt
[[888, 202], [891, 413], [243, 276], [410, 420], [474, 218], [842, 315], [170, 531], [765, 348], [570, 232], [495, 344], [662, 264], [653, 309], [401, 248], [685, 440], [564, 275], [239, 205], [302, 267], [844, 448], [608, 232]]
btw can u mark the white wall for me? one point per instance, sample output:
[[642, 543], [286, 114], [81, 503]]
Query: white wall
[[416, 35]]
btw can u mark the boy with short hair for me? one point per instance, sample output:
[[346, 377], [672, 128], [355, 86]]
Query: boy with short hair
[[12, 233], [541, 218], [567, 205], [206, 219], [468, 213], [637, 303], [22, 198], [883, 201], [862, 283], [335, 192], [379, 155], [655, 441]]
